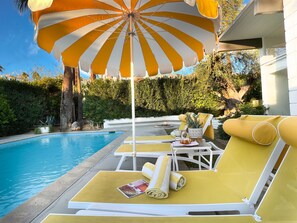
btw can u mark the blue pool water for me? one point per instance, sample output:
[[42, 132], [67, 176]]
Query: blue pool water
[[28, 166]]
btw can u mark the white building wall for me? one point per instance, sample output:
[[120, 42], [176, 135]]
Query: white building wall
[[274, 80], [290, 15]]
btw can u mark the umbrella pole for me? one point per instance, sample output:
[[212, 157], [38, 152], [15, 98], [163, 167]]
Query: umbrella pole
[[132, 90]]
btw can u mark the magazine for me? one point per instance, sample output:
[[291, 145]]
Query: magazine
[[134, 188]]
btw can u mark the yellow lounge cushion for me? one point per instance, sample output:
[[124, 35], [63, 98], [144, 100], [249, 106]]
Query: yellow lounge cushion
[[287, 130], [262, 133], [209, 132], [63, 218], [203, 118]]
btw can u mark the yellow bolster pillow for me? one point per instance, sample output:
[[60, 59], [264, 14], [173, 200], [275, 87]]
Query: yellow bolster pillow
[[287, 130], [183, 124], [182, 118], [258, 132]]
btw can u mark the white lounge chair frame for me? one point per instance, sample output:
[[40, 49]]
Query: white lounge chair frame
[[207, 164]]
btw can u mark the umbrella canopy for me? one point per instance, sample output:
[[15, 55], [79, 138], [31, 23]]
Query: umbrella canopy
[[127, 38], [168, 34]]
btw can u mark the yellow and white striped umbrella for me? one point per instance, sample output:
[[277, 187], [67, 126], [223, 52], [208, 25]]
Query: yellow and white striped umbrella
[[167, 34], [126, 37]]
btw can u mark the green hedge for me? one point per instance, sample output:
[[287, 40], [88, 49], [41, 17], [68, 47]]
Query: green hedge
[[23, 105], [7, 115], [52, 89], [109, 99]]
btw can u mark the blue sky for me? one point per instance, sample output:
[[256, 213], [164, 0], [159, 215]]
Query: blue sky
[[19, 52]]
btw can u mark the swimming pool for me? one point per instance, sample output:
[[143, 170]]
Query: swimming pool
[[29, 165]]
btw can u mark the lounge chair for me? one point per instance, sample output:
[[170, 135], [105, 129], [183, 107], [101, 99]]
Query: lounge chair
[[278, 205], [159, 149], [236, 184], [155, 146], [205, 119]]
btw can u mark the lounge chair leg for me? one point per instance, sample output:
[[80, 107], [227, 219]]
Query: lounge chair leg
[[123, 158]]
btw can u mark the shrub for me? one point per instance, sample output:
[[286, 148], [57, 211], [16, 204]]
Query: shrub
[[243, 109], [37, 130], [109, 99], [248, 109], [24, 104], [52, 89], [6, 115], [27, 102], [98, 109]]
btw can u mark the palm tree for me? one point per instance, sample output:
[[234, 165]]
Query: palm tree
[[66, 108], [1, 69], [22, 5]]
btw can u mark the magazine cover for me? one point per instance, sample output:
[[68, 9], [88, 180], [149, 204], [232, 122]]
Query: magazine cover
[[134, 188]]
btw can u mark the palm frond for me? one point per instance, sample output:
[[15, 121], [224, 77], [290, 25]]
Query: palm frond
[[22, 5]]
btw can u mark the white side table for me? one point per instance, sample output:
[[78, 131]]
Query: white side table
[[200, 150]]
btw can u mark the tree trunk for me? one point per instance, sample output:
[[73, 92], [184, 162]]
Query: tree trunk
[[232, 97], [79, 98], [92, 76], [74, 81], [66, 99]]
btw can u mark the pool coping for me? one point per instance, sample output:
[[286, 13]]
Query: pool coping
[[33, 207], [16, 138]]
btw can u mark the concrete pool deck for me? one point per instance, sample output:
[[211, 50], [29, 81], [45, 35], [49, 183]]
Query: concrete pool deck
[[55, 197]]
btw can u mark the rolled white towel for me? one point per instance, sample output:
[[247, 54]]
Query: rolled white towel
[[177, 181], [159, 183]]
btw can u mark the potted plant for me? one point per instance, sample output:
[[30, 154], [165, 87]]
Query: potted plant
[[46, 126], [195, 129], [44, 129]]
